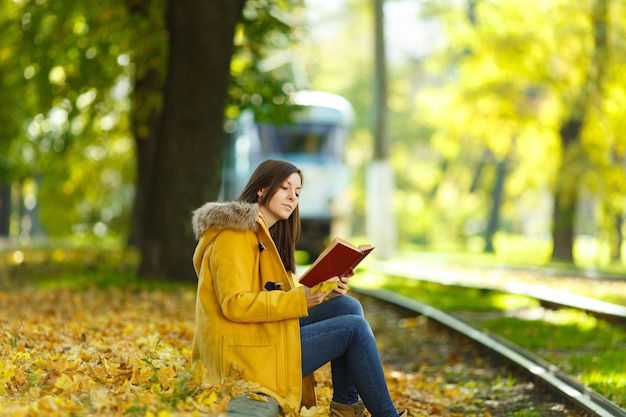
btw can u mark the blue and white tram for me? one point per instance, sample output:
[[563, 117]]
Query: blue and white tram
[[315, 142]]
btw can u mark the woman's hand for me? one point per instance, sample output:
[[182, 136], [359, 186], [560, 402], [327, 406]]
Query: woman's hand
[[340, 290], [314, 298]]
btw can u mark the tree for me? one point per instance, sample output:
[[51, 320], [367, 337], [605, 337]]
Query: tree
[[481, 108], [567, 191], [549, 80], [186, 168]]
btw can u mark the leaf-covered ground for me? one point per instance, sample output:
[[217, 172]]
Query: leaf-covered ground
[[124, 351]]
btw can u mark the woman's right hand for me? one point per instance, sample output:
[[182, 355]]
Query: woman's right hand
[[314, 298]]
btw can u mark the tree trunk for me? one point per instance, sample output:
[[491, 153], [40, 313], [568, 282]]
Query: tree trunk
[[379, 177], [486, 156], [566, 193], [381, 138], [188, 152], [5, 209], [494, 216], [563, 220], [616, 246]]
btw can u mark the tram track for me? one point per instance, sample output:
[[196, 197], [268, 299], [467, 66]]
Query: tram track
[[579, 396], [547, 297]]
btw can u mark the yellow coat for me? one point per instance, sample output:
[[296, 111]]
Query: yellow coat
[[238, 321]]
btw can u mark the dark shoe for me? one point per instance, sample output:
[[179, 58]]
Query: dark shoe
[[345, 410]]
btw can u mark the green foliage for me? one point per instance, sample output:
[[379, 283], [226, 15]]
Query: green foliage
[[69, 119], [500, 85], [262, 68], [511, 88], [70, 66]]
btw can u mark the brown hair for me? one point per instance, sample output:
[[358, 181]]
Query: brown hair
[[271, 174]]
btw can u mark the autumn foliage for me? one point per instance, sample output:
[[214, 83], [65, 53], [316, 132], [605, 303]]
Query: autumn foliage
[[124, 350]]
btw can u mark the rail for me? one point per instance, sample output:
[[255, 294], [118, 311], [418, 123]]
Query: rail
[[551, 376], [546, 296]]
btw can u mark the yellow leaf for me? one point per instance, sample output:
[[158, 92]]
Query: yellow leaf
[[256, 397], [207, 399], [64, 382], [328, 286], [34, 392], [48, 403], [314, 411]]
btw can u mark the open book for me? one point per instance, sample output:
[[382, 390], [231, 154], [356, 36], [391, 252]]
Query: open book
[[336, 260]]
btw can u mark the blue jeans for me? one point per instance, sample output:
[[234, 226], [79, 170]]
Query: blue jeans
[[337, 331]]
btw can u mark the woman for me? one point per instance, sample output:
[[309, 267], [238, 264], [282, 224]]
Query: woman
[[251, 316]]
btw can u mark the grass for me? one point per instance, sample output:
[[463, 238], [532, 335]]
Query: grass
[[590, 349], [457, 298], [559, 330], [526, 413], [601, 372], [521, 251], [76, 268]]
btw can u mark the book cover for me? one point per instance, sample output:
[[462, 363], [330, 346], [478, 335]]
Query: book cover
[[336, 260]]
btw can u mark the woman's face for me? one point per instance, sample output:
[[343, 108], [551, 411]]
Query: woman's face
[[284, 201]]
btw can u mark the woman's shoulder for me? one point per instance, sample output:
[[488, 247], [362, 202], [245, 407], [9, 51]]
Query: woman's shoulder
[[233, 215]]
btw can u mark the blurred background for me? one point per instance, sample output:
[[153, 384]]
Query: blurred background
[[468, 128]]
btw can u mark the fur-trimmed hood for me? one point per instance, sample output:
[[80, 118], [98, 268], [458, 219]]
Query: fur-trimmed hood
[[225, 215]]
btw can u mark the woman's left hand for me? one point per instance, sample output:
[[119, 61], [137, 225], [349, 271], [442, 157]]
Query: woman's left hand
[[337, 292]]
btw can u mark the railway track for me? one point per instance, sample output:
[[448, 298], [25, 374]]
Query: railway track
[[580, 398], [546, 296]]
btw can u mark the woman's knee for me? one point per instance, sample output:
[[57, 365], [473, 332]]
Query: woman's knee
[[358, 326], [350, 305]]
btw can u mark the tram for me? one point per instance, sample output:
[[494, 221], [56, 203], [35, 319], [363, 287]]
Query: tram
[[315, 141]]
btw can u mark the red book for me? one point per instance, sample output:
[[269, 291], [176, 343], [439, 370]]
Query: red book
[[336, 260]]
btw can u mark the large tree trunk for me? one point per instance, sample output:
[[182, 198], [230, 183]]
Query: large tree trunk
[[188, 152]]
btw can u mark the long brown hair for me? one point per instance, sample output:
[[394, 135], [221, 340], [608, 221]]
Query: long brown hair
[[271, 174]]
